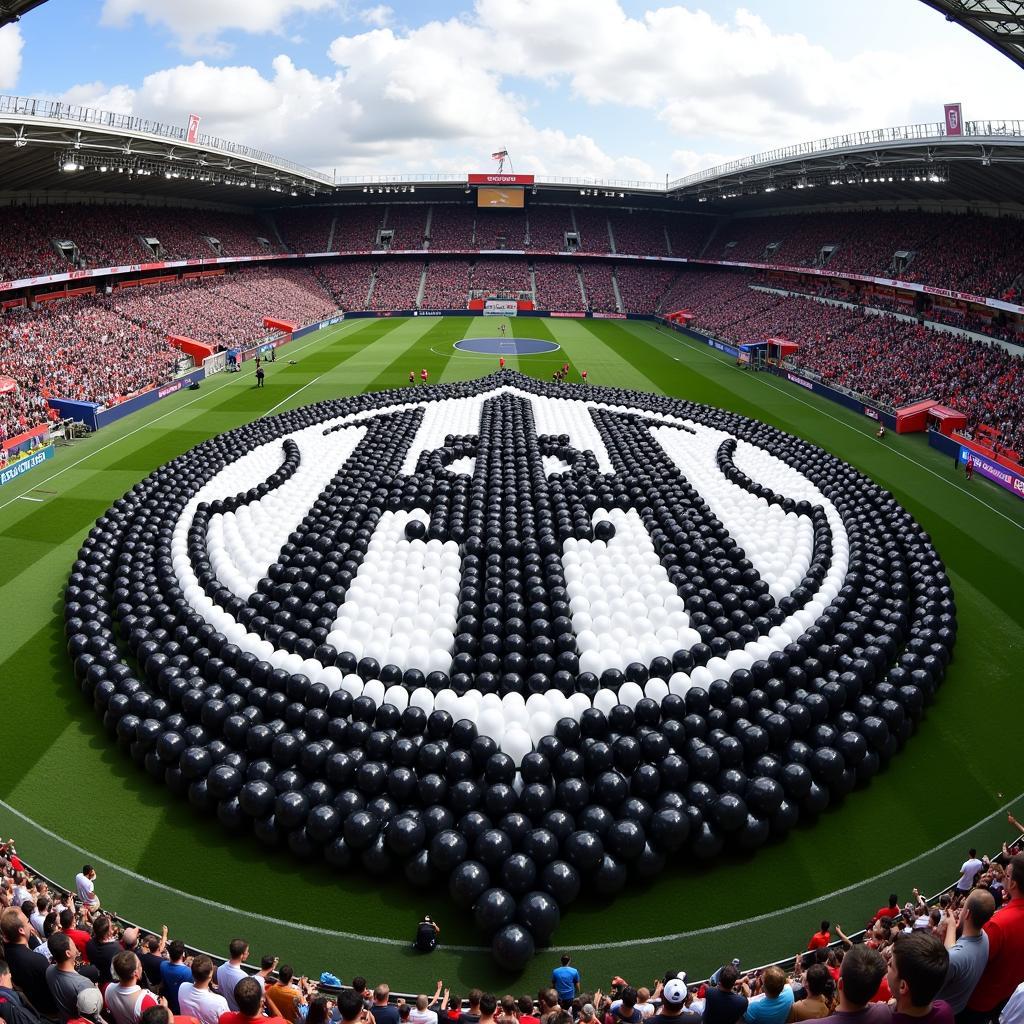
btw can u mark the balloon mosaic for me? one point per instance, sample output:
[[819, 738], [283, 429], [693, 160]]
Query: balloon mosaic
[[513, 638]]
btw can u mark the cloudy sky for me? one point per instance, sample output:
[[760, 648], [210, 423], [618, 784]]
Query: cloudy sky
[[604, 88]]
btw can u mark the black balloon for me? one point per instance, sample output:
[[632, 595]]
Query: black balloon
[[348, 779]]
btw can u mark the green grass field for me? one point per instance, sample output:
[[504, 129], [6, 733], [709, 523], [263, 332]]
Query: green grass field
[[69, 795]]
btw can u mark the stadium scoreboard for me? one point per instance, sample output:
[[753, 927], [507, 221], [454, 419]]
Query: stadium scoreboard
[[500, 191]]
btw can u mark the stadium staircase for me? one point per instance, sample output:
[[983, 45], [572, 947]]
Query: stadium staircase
[[268, 219], [707, 244], [611, 240], [369, 291], [423, 286], [533, 285], [330, 234], [619, 305], [579, 277]]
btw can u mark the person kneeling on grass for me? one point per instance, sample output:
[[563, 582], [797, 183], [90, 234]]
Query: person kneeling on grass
[[426, 935]]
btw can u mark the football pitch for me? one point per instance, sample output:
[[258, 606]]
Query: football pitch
[[69, 795]]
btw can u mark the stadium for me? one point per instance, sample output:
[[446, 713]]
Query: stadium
[[614, 568]]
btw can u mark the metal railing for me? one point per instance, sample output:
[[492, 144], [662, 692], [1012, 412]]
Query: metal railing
[[73, 113], [932, 130]]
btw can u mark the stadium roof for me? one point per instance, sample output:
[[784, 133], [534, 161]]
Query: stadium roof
[[59, 147], [910, 164], [999, 22], [12, 10], [69, 150]]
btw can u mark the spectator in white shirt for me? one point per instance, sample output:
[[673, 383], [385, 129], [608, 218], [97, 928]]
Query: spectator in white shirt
[[195, 998], [86, 889], [230, 974]]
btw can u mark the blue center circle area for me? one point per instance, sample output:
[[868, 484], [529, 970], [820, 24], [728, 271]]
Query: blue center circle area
[[506, 346]]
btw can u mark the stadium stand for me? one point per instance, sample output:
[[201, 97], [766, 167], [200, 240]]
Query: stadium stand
[[408, 221], [105, 236], [447, 285], [597, 280], [346, 282], [986, 899], [641, 287], [501, 276], [305, 230], [356, 228], [639, 232], [101, 348], [500, 229], [963, 252], [451, 227], [558, 285], [592, 226], [396, 284], [548, 225]]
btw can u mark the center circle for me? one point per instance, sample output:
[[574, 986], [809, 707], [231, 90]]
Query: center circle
[[507, 346]]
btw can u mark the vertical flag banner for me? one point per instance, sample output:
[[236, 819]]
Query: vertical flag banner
[[954, 119], [193, 128]]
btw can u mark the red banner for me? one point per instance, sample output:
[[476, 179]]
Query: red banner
[[500, 179], [193, 128], [954, 119]]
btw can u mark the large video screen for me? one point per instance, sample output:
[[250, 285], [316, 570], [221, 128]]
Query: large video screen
[[497, 197]]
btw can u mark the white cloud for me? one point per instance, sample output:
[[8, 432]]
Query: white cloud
[[380, 16], [441, 96], [10, 55], [197, 24]]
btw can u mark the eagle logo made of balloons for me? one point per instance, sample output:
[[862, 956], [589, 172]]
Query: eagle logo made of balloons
[[523, 637]]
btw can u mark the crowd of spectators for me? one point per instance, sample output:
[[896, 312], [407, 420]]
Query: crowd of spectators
[[447, 285], [895, 363], [971, 253], [408, 221], [104, 348], [356, 227], [592, 227], [106, 236], [348, 282], [558, 285], [452, 227], [504, 277], [81, 349], [641, 286], [548, 226], [959, 956], [600, 288], [500, 229], [396, 284], [639, 232], [306, 229]]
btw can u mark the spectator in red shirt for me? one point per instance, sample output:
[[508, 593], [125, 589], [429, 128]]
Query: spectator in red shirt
[[892, 910], [1005, 931], [249, 996], [821, 938]]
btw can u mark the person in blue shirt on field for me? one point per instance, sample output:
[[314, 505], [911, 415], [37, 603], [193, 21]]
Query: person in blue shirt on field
[[566, 981]]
